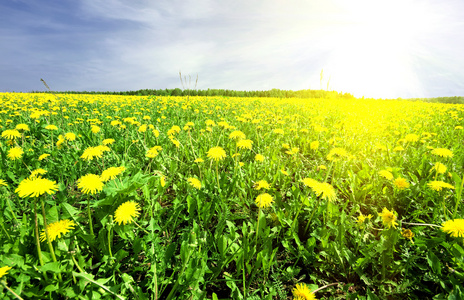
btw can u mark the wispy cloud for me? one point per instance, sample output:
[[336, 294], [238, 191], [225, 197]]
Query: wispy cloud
[[243, 45]]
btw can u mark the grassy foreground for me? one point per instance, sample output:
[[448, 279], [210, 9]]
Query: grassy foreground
[[121, 197]]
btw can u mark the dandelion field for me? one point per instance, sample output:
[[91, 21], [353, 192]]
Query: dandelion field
[[125, 197]]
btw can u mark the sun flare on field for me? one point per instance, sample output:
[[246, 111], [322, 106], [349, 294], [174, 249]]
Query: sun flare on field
[[375, 49]]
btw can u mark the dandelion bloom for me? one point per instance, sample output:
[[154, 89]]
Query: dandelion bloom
[[322, 167], [455, 228], [92, 152], [15, 153], [70, 136], [442, 152], [37, 172], [294, 150], [153, 151], [155, 132], [264, 200], [217, 153], [108, 141], [439, 168], [408, 234], [302, 292], [44, 156], [163, 181], [142, 128], [4, 270], [314, 145], [95, 129], [411, 138], [237, 135], [111, 173], [337, 153], [309, 182], [388, 218], [259, 157], [24, 127], [194, 182], [90, 184], [198, 160], [51, 127], [34, 187], [439, 185], [245, 144], [3, 183], [262, 184], [386, 174], [325, 191], [126, 212], [11, 134], [401, 183], [362, 218], [56, 229]]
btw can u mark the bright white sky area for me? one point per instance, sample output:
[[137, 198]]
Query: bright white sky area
[[380, 49]]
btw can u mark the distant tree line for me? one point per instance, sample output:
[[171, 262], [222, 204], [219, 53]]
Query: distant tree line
[[452, 100], [222, 92]]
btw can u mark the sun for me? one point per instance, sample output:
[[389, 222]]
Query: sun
[[377, 44]]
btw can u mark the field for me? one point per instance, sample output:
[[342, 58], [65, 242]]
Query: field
[[126, 197]]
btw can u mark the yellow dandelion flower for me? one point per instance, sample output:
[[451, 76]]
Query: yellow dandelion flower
[[15, 153], [401, 183], [217, 153], [259, 157], [279, 131], [407, 234], [70, 136], [302, 292], [37, 172], [95, 129], [264, 200], [163, 181], [194, 182], [309, 182], [4, 270], [439, 185], [35, 187], [24, 127], [56, 229], [51, 127], [111, 173], [155, 132], [198, 160], [362, 218], [439, 168], [91, 152], [237, 135], [126, 212], [314, 145], [442, 152], [337, 153], [43, 156], [455, 227], [386, 174], [322, 167], [142, 128], [108, 141], [388, 218], [90, 184], [325, 191], [153, 152], [262, 184], [11, 134], [245, 144], [411, 138]]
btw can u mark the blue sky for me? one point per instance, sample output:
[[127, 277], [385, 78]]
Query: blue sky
[[387, 49]]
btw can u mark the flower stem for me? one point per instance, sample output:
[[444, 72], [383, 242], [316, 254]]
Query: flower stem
[[49, 242], [10, 290], [90, 216]]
